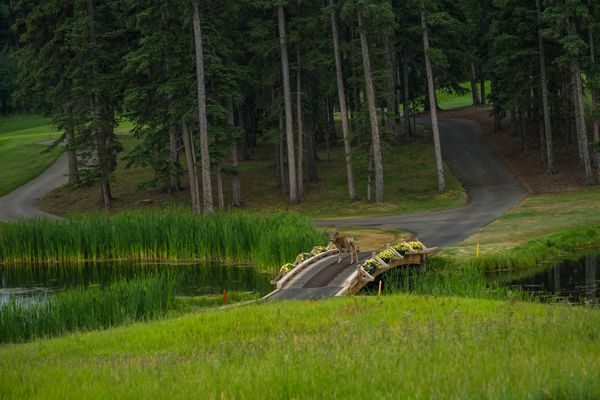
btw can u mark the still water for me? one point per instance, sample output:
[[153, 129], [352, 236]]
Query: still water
[[38, 282], [576, 282]]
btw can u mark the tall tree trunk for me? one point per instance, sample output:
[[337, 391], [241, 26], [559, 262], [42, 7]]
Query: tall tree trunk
[[190, 155], [524, 135], [236, 189], [392, 109], [281, 155], [99, 133], [496, 106], [513, 121], [326, 134], [174, 166], [220, 195], [343, 108], [330, 112], [173, 158], [355, 88], [370, 92], [406, 95], [300, 128], [370, 175], [311, 159], [483, 95], [71, 156], [580, 121], [474, 91], [432, 105], [287, 100], [545, 103], [595, 124], [202, 120]]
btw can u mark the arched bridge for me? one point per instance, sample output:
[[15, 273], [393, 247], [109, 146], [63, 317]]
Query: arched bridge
[[322, 276]]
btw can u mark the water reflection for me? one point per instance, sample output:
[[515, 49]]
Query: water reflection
[[38, 282], [571, 281]]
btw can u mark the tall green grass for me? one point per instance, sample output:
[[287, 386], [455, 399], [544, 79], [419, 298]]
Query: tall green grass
[[88, 308], [393, 347], [446, 282], [265, 240], [531, 254]]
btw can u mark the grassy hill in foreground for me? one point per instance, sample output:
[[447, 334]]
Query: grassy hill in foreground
[[401, 346]]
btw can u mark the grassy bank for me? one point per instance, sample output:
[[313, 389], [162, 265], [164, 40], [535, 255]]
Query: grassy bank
[[391, 347], [265, 240], [536, 216], [87, 309], [20, 151], [543, 249]]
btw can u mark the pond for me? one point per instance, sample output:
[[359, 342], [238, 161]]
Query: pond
[[576, 282], [34, 283]]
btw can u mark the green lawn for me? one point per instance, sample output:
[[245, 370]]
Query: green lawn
[[400, 346], [21, 155], [448, 101], [536, 216]]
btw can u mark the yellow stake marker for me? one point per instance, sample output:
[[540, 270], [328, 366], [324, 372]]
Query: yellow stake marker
[[379, 291], [477, 250]]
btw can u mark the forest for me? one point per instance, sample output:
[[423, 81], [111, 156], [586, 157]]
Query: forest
[[204, 83]]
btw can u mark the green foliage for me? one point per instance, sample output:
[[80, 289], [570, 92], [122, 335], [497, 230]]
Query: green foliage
[[543, 249], [8, 80], [264, 240], [474, 348], [91, 308]]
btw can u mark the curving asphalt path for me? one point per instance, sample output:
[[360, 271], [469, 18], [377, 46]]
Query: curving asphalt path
[[21, 202], [492, 189]]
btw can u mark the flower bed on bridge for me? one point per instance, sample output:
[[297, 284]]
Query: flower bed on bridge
[[302, 257], [397, 251]]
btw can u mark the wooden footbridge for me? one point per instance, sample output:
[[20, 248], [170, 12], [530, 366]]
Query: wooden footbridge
[[322, 276]]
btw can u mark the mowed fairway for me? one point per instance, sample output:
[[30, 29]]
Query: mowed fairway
[[401, 346], [21, 155]]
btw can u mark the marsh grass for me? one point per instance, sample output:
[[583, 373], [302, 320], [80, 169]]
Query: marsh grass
[[445, 282], [88, 308], [546, 248], [264, 240]]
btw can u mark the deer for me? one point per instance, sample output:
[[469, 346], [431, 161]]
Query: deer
[[344, 242]]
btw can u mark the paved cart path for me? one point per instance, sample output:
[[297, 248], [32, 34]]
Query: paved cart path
[[492, 189], [21, 202]]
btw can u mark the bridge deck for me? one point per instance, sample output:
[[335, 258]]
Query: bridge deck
[[324, 278]]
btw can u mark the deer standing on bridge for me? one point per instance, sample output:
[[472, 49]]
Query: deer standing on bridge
[[344, 242]]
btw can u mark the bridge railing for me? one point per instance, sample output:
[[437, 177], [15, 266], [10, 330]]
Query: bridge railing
[[391, 257], [283, 278]]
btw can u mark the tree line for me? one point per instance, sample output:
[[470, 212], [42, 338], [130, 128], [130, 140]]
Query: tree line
[[213, 79]]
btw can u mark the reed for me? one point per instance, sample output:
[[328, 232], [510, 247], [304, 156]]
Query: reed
[[265, 240], [544, 249], [88, 308], [445, 282]]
